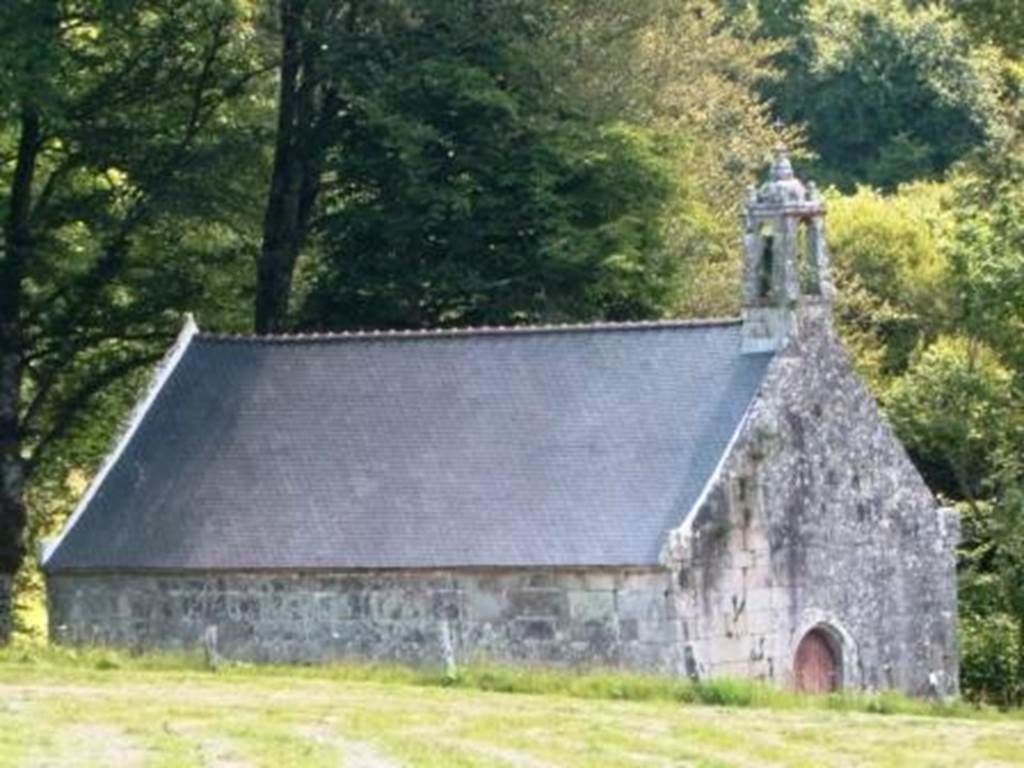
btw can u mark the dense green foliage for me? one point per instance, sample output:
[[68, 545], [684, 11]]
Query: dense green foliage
[[468, 191], [115, 120], [890, 272], [889, 91], [997, 21], [322, 164], [987, 278]]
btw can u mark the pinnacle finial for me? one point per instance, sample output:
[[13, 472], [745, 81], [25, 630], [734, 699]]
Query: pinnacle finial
[[781, 167]]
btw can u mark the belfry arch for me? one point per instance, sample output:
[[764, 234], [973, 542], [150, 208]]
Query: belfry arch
[[785, 255]]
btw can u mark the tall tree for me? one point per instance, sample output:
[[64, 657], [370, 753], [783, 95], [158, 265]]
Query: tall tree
[[310, 31], [689, 70], [106, 150], [466, 189], [679, 71], [890, 91]]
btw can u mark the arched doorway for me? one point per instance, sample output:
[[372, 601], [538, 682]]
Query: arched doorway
[[816, 667]]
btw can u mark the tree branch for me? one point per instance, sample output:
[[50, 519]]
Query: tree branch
[[68, 411]]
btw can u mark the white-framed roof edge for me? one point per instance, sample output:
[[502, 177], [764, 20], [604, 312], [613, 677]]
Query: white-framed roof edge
[[677, 535], [163, 372]]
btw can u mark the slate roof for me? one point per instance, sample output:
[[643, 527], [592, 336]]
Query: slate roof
[[574, 446]]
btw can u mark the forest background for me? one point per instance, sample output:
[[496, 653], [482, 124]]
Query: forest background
[[308, 165]]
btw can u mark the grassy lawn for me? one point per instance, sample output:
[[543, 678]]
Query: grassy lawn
[[93, 709]]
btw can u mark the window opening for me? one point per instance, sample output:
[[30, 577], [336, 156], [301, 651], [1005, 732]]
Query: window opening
[[767, 264], [806, 264]]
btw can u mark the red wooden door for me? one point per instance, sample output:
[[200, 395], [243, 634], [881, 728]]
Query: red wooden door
[[816, 670]]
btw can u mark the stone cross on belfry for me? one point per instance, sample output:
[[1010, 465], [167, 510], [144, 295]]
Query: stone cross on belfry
[[785, 259]]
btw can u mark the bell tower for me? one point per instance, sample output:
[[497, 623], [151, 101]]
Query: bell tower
[[785, 260]]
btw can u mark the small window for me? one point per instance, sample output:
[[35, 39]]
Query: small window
[[806, 262], [767, 264]]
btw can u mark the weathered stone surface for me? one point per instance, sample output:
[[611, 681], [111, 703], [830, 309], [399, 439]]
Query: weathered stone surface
[[551, 616], [819, 519], [596, 605]]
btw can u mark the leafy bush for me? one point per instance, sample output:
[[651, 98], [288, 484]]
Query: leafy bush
[[891, 271], [988, 657]]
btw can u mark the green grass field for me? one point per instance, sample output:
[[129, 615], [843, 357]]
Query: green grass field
[[60, 708]]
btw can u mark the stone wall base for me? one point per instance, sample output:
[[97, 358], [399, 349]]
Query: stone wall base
[[607, 618]]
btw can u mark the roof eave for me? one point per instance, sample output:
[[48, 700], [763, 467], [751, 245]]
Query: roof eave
[[251, 570]]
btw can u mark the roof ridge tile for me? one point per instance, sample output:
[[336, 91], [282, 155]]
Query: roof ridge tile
[[377, 334]]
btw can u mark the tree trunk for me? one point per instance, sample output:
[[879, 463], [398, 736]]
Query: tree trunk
[[6, 608], [307, 103], [1020, 660], [17, 256], [282, 230]]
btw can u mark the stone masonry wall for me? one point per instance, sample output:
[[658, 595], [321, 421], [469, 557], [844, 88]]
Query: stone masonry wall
[[588, 618], [819, 519]]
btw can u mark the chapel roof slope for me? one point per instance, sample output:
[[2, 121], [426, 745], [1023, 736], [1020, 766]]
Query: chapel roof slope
[[565, 446]]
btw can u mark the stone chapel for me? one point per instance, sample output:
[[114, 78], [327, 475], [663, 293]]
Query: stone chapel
[[693, 498]]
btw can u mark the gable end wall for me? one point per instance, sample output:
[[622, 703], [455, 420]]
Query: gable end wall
[[818, 518]]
